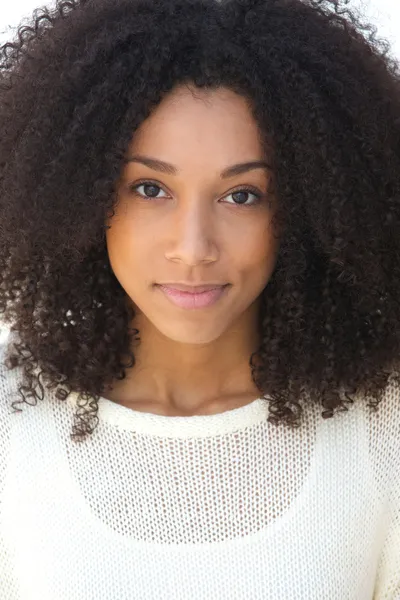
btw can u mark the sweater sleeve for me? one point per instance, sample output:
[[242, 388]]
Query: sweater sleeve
[[388, 576]]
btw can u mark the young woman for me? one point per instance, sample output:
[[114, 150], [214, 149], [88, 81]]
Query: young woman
[[200, 269]]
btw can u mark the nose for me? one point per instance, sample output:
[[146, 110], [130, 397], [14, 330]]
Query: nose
[[192, 235]]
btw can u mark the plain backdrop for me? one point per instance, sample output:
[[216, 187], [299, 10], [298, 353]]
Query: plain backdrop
[[383, 14]]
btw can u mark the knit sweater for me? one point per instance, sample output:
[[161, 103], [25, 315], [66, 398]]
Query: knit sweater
[[205, 507]]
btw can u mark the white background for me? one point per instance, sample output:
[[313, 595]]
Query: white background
[[384, 14]]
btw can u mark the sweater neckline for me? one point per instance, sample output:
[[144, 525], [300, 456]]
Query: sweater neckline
[[128, 419]]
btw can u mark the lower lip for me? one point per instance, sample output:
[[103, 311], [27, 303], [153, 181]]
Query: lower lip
[[193, 301]]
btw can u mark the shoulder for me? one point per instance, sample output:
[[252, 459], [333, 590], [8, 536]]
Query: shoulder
[[383, 431], [386, 417]]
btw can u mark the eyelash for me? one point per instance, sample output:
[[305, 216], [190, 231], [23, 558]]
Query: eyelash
[[252, 190]]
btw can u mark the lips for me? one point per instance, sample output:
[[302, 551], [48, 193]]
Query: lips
[[190, 300], [192, 289]]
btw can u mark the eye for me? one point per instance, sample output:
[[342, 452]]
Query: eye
[[151, 189], [240, 196]]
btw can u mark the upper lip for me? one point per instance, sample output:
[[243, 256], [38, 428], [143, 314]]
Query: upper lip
[[183, 287]]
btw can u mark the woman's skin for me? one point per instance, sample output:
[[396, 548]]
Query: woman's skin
[[191, 229]]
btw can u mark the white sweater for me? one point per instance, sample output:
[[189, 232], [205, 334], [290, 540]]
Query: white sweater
[[224, 506]]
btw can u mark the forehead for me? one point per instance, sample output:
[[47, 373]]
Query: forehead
[[195, 122]]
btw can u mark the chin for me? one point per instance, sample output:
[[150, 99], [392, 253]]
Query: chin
[[196, 335]]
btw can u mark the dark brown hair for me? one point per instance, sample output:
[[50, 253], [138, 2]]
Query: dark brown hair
[[78, 80]]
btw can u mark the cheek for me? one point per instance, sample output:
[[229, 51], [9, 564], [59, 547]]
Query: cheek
[[120, 237], [115, 243], [258, 253], [124, 249]]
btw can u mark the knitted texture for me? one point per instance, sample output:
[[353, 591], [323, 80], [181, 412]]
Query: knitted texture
[[224, 506]]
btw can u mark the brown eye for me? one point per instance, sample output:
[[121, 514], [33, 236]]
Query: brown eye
[[241, 196], [150, 189]]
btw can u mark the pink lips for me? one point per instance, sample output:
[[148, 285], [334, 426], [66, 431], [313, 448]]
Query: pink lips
[[192, 300]]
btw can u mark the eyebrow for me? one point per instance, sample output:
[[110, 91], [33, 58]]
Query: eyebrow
[[169, 169]]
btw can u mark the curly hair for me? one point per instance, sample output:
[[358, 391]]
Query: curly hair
[[74, 87]]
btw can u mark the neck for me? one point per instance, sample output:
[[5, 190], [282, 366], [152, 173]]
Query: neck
[[175, 378]]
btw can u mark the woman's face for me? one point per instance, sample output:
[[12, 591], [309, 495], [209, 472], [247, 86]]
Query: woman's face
[[188, 222]]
